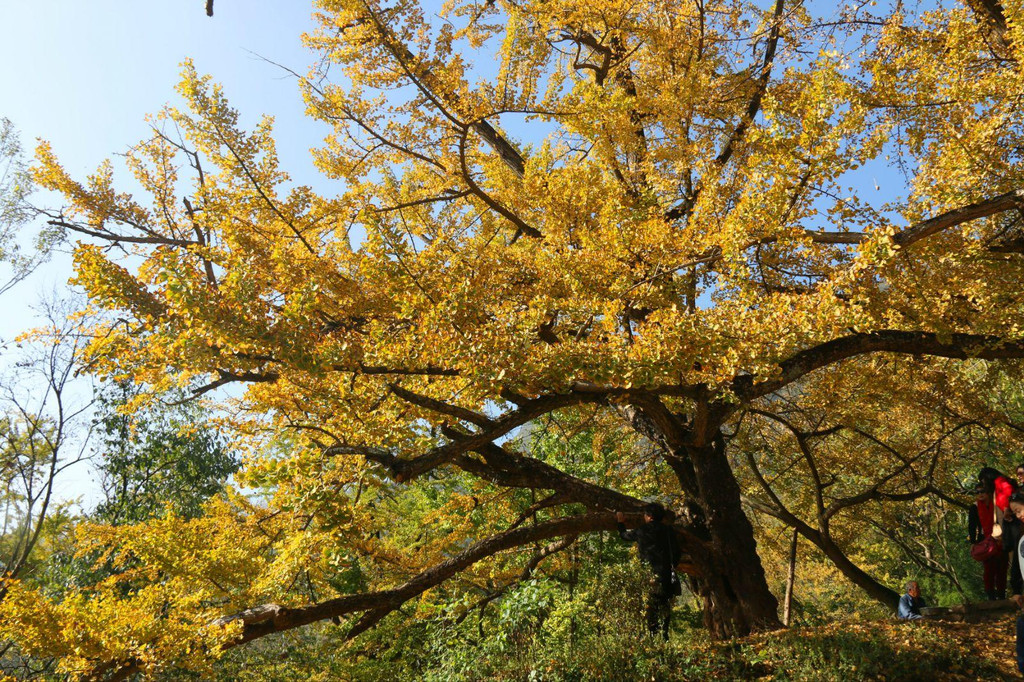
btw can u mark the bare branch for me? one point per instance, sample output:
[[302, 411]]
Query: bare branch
[[761, 87], [441, 407]]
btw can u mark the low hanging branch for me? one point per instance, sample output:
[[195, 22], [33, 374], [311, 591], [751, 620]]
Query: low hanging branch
[[913, 485], [267, 619]]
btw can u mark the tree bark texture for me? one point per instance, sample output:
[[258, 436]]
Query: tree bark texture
[[732, 584]]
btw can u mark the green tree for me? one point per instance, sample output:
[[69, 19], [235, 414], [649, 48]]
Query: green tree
[[167, 455]]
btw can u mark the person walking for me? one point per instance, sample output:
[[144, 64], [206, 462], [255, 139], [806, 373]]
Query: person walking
[[659, 548]]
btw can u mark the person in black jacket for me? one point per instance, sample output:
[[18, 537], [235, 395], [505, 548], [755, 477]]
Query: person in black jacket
[[1017, 508], [659, 548], [1012, 531]]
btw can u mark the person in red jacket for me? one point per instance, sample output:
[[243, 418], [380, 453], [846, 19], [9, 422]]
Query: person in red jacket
[[992, 504], [998, 485]]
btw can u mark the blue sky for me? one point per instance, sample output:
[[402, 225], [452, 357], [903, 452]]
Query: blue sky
[[84, 75]]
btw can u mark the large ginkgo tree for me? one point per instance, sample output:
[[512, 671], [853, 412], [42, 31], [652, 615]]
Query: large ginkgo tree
[[656, 213]]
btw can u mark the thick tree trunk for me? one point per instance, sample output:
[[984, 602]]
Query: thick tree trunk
[[732, 583], [729, 577]]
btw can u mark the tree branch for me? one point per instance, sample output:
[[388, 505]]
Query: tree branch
[[424, 79], [753, 107], [958, 346]]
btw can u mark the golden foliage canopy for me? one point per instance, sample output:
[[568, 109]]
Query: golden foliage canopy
[[661, 211]]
